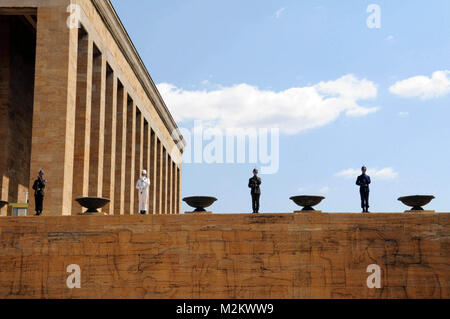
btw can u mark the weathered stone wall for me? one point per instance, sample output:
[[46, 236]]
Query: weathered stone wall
[[226, 256], [16, 107]]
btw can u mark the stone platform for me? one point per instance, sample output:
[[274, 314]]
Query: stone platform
[[226, 256]]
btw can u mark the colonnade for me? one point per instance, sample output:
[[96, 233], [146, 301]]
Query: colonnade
[[82, 107], [114, 141]]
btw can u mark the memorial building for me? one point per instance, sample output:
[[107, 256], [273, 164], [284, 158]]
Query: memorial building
[[77, 102]]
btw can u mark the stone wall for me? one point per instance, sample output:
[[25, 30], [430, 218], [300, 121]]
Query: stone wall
[[226, 256]]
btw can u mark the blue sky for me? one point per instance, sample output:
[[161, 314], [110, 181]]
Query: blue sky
[[267, 59]]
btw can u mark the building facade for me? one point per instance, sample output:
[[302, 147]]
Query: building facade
[[77, 101]]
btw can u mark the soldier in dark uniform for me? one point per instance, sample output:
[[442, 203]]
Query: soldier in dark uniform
[[254, 183], [39, 186], [363, 182]]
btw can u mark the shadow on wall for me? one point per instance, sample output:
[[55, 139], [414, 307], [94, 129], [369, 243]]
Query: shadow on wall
[[18, 50]]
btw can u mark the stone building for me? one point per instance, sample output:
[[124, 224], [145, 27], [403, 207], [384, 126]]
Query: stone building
[[77, 101]]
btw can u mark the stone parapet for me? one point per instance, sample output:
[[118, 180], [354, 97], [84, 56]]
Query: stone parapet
[[304, 255]]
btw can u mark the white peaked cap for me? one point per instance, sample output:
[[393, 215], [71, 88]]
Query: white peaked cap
[[144, 172]]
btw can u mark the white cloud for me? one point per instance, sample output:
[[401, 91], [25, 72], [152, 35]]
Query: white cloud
[[390, 38], [293, 110], [348, 173], [324, 190], [423, 86], [386, 173], [279, 12], [403, 114]]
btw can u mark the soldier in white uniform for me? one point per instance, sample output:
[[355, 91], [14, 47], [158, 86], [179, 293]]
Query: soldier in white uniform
[[142, 185]]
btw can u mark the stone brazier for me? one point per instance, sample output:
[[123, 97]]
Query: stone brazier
[[200, 203], [416, 202], [307, 202], [92, 203]]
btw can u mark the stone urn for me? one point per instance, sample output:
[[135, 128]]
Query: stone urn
[[199, 202], [3, 203], [92, 203], [416, 201], [307, 202]]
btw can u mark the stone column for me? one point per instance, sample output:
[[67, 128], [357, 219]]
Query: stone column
[[109, 173], [17, 72], [54, 107], [5, 58], [152, 172], [169, 185], [158, 185], [164, 182], [130, 158], [146, 157], [139, 149], [96, 155], [82, 120], [174, 189], [179, 190], [121, 135]]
